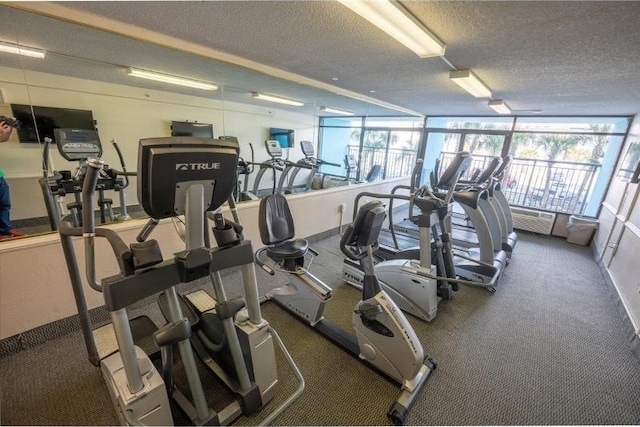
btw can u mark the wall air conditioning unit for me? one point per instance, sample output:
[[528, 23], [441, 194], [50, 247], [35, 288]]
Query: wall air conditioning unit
[[535, 221]]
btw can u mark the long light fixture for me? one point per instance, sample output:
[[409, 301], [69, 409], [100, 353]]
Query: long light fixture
[[396, 21], [499, 106], [277, 99], [19, 50], [336, 111], [471, 83], [165, 78]]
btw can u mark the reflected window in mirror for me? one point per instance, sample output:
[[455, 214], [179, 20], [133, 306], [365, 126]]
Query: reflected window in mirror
[[630, 168]]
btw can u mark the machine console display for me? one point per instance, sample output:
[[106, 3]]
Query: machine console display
[[274, 149], [78, 144], [307, 148]]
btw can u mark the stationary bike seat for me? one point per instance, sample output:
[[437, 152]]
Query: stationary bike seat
[[288, 249]]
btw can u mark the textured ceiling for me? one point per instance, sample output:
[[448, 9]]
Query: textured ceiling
[[564, 58]]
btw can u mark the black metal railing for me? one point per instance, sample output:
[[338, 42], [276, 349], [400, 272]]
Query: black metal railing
[[552, 185], [395, 162]]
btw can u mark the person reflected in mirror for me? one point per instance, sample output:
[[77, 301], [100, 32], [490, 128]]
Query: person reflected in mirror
[[5, 200]]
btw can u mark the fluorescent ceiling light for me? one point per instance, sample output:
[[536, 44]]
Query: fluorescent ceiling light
[[165, 78], [471, 83], [396, 21], [19, 50], [499, 106], [336, 111], [277, 99]]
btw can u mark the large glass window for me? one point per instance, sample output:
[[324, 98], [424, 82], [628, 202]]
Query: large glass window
[[477, 123], [573, 124], [561, 164], [389, 143], [564, 171]]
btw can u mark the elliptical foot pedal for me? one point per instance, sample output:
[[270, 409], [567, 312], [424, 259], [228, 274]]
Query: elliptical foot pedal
[[201, 301], [142, 329]]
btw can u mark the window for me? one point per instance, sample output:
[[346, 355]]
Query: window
[[390, 142], [560, 164]]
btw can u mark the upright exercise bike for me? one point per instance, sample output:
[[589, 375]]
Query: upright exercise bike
[[413, 282], [383, 336]]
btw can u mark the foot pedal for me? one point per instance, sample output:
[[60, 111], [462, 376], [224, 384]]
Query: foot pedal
[[142, 329], [201, 301]]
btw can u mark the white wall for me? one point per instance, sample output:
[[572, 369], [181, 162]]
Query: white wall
[[127, 114], [617, 241]]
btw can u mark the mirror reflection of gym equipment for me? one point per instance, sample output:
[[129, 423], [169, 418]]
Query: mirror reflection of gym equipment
[[80, 145]]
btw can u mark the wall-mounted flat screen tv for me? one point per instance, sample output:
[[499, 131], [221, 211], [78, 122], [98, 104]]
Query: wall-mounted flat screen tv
[[283, 136], [200, 130], [47, 119]]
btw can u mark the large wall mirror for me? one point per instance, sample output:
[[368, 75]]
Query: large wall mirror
[[85, 77]]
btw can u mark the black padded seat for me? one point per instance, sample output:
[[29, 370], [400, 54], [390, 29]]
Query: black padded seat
[[277, 231], [289, 249], [470, 197]]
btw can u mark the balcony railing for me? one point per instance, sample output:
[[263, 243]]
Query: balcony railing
[[552, 185], [395, 162]]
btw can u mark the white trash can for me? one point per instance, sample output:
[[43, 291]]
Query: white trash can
[[580, 229]]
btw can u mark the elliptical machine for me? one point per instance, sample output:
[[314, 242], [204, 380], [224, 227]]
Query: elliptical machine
[[176, 176], [383, 336], [79, 145]]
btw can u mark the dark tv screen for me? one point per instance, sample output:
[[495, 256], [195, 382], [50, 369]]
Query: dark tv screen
[[283, 136], [199, 130], [47, 119]]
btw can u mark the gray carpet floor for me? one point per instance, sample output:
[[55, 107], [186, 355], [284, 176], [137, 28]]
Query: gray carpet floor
[[549, 347]]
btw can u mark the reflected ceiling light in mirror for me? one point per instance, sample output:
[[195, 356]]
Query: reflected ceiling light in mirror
[[392, 18], [278, 99], [499, 106], [471, 83], [165, 78], [336, 111], [20, 50]]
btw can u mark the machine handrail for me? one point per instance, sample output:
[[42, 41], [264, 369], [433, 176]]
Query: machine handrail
[[94, 166], [124, 167]]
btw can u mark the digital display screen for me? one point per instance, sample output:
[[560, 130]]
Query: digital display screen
[[198, 130]]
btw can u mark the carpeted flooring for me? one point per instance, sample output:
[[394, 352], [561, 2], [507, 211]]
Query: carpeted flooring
[[549, 347]]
